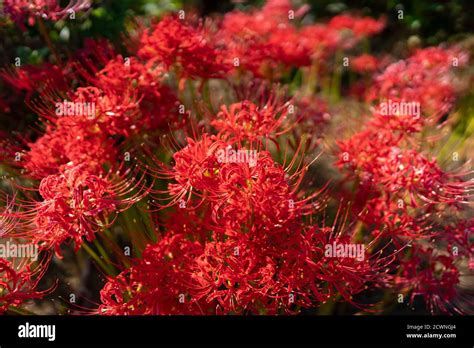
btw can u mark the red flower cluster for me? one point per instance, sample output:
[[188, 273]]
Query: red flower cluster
[[73, 204], [247, 121], [176, 43], [425, 77], [434, 277], [364, 63], [265, 40], [401, 192], [360, 27], [17, 284], [65, 143], [236, 250]]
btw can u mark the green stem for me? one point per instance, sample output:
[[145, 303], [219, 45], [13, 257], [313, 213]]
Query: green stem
[[92, 253], [102, 252], [21, 311], [44, 34]]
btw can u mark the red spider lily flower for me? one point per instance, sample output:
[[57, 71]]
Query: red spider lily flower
[[86, 121], [345, 273], [378, 159], [110, 111], [253, 55], [119, 70], [399, 189], [194, 224], [364, 63], [176, 43], [156, 284], [47, 9], [36, 79], [410, 82], [77, 204], [275, 14], [257, 23], [277, 8], [322, 40], [255, 272], [263, 40], [158, 104], [408, 122], [73, 203], [291, 48], [195, 168], [251, 280], [313, 111], [360, 26], [69, 142], [458, 236], [209, 168], [392, 217], [237, 223], [18, 283], [236, 278], [19, 277], [425, 78], [246, 121], [437, 57], [115, 113], [435, 278], [264, 273], [92, 57], [261, 184]]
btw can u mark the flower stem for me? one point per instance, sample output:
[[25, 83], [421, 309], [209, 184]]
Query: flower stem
[[44, 34], [92, 253]]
